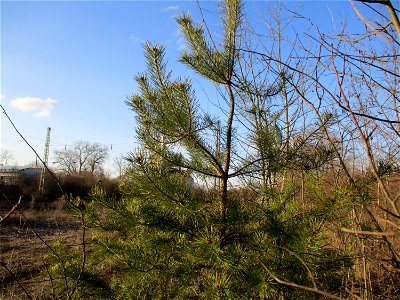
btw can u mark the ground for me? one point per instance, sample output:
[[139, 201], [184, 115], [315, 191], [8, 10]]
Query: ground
[[23, 239]]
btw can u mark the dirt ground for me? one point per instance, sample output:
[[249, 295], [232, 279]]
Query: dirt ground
[[23, 238]]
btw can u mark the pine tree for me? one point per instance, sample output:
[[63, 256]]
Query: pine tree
[[169, 238]]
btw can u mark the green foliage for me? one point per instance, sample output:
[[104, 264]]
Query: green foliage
[[163, 240], [69, 279], [167, 238], [214, 64], [167, 113]]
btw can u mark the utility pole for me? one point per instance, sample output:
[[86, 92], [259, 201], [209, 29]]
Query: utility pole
[[45, 161]]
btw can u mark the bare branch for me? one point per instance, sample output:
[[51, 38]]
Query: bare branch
[[373, 233], [2, 219], [295, 285]]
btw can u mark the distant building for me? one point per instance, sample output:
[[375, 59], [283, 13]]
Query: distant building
[[9, 174]]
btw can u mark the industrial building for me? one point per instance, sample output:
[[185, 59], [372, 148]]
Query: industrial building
[[9, 174]]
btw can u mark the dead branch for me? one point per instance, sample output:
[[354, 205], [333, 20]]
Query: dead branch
[[295, 285], [363, 139], [2, 219], [373, 233], [366, 22], [389, 6]]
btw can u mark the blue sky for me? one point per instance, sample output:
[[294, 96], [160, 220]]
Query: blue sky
[[69, 65]]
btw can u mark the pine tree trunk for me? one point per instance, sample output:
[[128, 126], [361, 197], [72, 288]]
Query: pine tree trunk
[[227, 162]]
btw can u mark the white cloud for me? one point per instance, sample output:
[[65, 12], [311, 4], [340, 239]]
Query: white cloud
[[171, 8], [2, 97], [40, 107]]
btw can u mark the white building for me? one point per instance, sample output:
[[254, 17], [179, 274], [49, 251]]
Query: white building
[[9, 174]]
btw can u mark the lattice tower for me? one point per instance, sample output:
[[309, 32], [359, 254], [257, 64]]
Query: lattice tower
[[45, 161]]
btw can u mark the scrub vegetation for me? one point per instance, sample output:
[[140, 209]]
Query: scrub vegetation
[[288, 189]]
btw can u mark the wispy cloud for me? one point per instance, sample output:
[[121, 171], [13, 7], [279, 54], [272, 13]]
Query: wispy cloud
[[1, 97], [133, 38], [180, 42], [40, 107], [171, 8]]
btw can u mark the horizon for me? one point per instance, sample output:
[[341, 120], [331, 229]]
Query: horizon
[[70, 66]]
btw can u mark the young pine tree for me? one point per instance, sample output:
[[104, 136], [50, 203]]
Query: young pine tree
[[168, 238]]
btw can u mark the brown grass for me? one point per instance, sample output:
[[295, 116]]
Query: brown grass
[[23, 245], [24, 235]]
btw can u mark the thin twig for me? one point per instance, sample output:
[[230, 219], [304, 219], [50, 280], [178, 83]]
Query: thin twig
[[34, 151], [16, 279], [295, 285], [53, 289], [83, 256], [49, 247], [363, 139], [365, 21]]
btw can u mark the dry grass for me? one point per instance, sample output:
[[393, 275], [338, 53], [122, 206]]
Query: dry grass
[[23, 245], [24, 235]]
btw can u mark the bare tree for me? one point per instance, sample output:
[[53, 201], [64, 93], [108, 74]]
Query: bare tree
[[5, 157], [82, 156], [363, 103], [349, 80], [120, 164]]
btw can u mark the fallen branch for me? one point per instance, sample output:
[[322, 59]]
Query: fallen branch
[[2, 219], [374, 233]]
